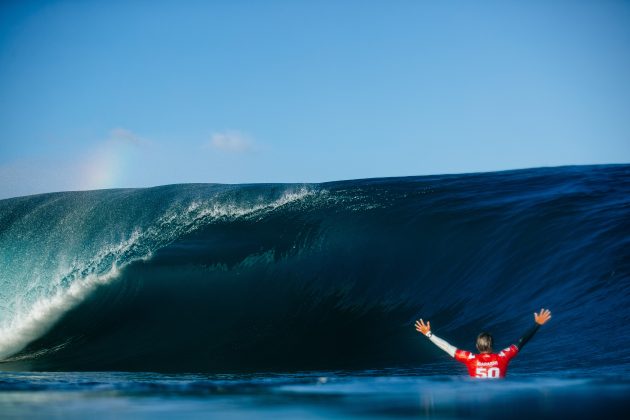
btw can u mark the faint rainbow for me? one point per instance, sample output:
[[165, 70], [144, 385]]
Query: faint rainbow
[[107, 166]]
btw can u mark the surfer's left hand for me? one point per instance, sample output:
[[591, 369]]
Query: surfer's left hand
[[422, 327]]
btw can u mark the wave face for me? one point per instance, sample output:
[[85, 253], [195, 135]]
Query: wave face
[[204, 277]]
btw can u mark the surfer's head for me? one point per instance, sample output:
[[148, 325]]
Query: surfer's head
[[484, 342]]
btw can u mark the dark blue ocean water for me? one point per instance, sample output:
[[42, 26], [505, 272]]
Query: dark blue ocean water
[[392, 393], [277, 286]]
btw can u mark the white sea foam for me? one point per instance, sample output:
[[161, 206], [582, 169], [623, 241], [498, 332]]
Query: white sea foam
[[45, 312], [74, 283]]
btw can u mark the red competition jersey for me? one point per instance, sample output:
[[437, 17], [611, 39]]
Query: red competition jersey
[[487, 365]]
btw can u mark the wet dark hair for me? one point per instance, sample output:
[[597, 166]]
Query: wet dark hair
[[484, 342]]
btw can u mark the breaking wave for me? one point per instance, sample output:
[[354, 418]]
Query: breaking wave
[[203, 277]]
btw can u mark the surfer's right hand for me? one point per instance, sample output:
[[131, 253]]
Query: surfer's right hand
[[543, 316], [422, 327]]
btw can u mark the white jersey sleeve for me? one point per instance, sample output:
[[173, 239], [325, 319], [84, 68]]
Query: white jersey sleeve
[[442, 344]]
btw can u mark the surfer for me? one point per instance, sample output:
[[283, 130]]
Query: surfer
[[486, 364]]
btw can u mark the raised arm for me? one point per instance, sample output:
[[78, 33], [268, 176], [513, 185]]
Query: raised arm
[[539, 319], [426, 330]]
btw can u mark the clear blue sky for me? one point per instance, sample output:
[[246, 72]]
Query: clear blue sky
[[98, 94]]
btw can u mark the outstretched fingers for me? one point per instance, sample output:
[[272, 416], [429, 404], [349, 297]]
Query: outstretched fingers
[[422, 327], [543, 316]]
